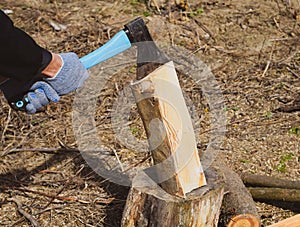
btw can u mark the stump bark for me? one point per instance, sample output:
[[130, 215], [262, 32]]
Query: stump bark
[[156, 208]]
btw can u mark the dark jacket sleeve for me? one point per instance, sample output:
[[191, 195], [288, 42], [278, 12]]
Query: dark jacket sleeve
[[21, 57]]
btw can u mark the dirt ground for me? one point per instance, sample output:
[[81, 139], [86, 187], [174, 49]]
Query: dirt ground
[[252, 49]]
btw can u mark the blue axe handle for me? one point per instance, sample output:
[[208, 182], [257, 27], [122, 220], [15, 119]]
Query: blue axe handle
[[116, 45]]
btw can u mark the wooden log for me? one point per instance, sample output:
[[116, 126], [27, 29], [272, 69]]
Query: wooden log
[[289, 222], [238, 209], [169, 130], [244, 220], [278, 192], [253, 180], [275, 194], [156, 208]]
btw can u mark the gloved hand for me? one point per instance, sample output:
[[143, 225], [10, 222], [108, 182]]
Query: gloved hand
[[71, 76]]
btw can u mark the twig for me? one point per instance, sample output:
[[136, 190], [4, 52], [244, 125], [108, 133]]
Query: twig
[[49, 209], [156, 5], [293, 72], [129, 168], [266, 68], [61, 198], [269, 62], [6, 125], [23, 212], [204, 28], [118, 159], [44, 150], [63, 187]]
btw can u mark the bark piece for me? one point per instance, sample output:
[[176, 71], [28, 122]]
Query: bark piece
[[254, 180], [146, 207], [169, 131]]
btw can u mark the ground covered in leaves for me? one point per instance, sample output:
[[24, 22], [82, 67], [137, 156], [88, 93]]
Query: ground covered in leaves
[[252, 48]]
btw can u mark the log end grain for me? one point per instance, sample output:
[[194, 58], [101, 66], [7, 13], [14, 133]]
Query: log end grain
[[244, 220]]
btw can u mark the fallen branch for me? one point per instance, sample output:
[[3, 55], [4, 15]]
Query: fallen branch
[[253, 180], [62, 198], [44, 150], [275, 194], [293, 72], [24, 213]]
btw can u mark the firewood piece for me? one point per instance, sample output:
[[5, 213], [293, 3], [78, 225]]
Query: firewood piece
[[289, 222], [254, 180], [169, 131], [244, 220], [239, 208], [152, 208], [275, 194]]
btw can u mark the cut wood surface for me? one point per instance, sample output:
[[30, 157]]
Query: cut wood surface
[[169, 130], [289, 222], [239, 208], [254, 180], [244, 220], [153, 207]]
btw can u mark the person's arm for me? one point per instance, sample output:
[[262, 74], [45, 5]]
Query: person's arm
[[21, 57], [43, 75]]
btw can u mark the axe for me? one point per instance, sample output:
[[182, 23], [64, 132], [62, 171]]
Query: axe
[[135, 32]]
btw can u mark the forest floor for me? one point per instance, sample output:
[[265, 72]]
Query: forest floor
[[252, 48]]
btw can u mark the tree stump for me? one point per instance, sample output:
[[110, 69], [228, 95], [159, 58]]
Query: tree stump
[[155, 207]]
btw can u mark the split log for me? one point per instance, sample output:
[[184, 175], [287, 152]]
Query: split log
[[238, 209], [289, 222], [253, 180], [156, 208], [169, 130]]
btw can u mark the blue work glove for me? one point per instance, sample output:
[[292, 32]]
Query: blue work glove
[[70, 77]]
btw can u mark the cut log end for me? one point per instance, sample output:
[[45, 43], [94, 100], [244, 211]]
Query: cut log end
[[244, 220]]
